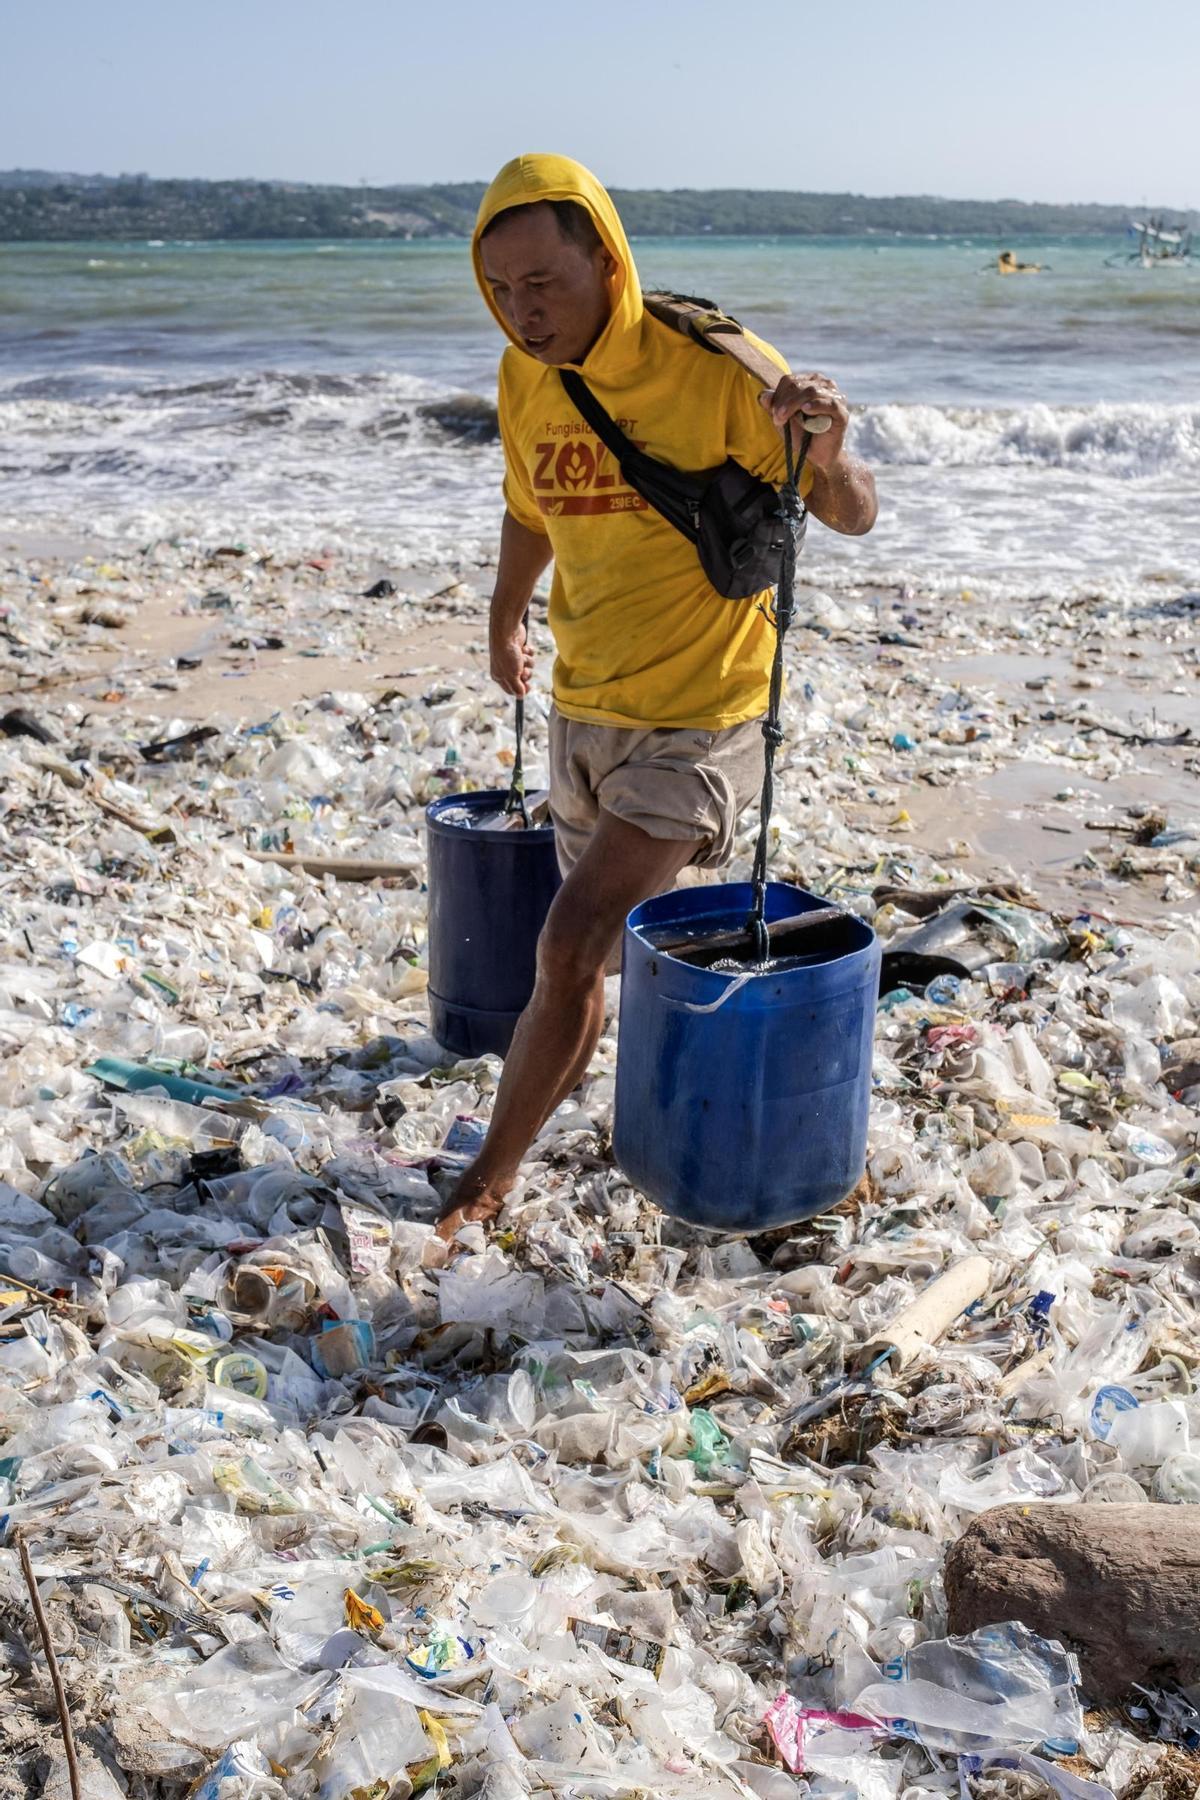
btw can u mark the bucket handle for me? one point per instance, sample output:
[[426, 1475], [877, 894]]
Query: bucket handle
[[727, 993]]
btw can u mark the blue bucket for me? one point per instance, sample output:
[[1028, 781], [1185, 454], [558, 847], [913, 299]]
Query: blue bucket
[[489, 893], [750, 1114]]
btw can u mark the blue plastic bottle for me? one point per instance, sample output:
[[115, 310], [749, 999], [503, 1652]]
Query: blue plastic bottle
[[489, 893], [747, 1112]]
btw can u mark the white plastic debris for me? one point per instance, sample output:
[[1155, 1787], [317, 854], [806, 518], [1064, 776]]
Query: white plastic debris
[[322, 1507]]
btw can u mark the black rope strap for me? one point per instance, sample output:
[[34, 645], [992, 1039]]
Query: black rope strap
[[791, 511], [516, 793]]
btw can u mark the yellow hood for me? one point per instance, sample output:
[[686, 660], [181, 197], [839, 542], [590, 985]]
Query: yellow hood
[[536, 177]]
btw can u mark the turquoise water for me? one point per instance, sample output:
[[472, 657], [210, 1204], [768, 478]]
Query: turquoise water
[[270, 390], [897, 320]]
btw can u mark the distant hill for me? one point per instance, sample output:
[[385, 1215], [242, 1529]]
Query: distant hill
[[38, 205]]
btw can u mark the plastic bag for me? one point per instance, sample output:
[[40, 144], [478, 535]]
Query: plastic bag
[[1001, 1687]]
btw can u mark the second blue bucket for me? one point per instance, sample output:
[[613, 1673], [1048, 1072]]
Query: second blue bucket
[[749, 1112], [489, 893]]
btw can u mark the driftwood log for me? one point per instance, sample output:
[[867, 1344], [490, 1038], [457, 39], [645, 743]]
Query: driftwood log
[[1118, 1584]]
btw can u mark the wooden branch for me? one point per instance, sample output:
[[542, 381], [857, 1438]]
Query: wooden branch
[[60, 1693]]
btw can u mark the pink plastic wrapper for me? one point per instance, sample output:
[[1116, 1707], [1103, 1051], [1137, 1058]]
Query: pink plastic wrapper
[[789, 1724]]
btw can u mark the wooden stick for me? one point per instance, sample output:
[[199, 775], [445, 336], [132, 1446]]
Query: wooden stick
[[60, 1693], [342, 868], [1016, 1378], [1140, 738], [39, 1294], [719, 332], [731, 940]]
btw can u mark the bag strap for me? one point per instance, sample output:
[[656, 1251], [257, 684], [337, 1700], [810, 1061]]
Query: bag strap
[[671, 492], [601, 421]]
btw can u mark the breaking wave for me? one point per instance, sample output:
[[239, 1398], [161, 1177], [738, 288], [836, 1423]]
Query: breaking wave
[[1124, 441], [393, 460]]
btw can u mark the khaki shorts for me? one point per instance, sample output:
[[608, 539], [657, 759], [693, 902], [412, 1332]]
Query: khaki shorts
[[671, 784]]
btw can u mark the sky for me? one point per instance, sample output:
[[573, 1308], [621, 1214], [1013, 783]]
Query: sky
[[1057, 100]]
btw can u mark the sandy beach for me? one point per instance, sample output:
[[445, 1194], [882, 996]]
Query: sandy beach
[[1032, 726]]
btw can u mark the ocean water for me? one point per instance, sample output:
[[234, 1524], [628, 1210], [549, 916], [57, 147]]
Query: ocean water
[[1030, 435]]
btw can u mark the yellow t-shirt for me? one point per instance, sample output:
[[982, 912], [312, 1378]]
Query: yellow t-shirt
[[643, 639]]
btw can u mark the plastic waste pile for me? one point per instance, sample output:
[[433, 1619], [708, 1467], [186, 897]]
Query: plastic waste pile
[[318, 1505]]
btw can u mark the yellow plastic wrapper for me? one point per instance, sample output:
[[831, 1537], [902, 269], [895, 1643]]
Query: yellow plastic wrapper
[[361, 1615]]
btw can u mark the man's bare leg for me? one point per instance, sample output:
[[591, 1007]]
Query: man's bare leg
[[559, 1029]]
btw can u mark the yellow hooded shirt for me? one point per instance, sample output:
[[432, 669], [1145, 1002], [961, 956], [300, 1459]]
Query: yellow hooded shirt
[[643, 638]]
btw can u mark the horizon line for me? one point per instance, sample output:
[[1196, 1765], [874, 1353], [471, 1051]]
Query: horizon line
[[68, 175]]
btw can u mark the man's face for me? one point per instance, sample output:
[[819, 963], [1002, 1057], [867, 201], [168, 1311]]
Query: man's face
[[555, 296]]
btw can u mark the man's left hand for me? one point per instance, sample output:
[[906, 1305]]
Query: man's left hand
[[802, 396]]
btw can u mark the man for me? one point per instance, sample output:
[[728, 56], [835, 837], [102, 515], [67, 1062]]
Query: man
[[660, 684]]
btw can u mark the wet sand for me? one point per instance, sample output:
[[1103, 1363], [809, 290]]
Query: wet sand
[[198, 635], [1060, 823]]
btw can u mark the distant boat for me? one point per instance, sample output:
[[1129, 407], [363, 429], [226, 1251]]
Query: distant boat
[[1157, 243]]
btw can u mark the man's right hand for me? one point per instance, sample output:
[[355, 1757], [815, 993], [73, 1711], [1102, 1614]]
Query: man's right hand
[[524, 555], [512, 662]]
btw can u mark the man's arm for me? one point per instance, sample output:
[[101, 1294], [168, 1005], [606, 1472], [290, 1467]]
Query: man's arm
[[524, 555], [843, 488], [843, 496]]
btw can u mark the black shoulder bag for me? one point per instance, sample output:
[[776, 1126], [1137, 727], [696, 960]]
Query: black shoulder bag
[[734, 519]]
